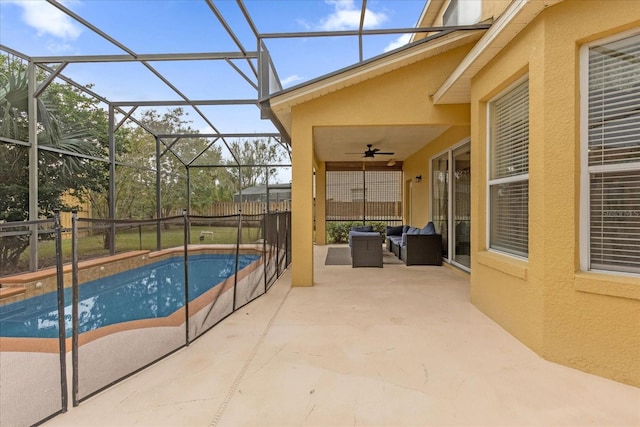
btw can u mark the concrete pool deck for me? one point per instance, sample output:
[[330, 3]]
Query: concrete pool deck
[[397, 346]]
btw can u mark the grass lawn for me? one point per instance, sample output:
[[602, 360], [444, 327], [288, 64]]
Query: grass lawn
[[137, 238]]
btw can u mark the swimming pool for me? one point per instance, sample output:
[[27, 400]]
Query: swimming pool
[[148, 292]]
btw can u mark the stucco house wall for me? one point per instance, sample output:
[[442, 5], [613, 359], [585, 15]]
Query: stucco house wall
[[399, 97], [585, 320]]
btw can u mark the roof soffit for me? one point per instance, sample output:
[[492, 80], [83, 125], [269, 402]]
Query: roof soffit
[[457, 88], [428, 16], [281, 104]]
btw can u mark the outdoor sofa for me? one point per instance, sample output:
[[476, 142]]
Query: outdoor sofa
[[366, 247], [415, 246]]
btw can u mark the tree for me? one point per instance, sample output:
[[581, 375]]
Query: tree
[[136, 182], [76, 126], [134, 179], [210, 185], [256, 152], [67, 121]]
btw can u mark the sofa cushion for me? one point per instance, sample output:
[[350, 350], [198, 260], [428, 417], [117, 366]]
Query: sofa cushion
[[403, 243], [413, 230], [396, 240], [394, 230], [364, 228], [428, 229], [405, 228], [361, 233]]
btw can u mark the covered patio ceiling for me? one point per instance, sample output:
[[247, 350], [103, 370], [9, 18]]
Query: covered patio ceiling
[[347, 143]]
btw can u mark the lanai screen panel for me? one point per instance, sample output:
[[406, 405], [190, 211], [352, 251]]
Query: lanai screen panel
[[363, 196], [344, 195]]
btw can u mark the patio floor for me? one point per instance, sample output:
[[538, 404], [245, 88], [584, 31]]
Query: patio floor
[[397, 346]]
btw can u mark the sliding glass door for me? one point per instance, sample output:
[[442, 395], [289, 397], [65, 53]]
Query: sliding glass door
[[451, 203], [461, 181], [440, 199]]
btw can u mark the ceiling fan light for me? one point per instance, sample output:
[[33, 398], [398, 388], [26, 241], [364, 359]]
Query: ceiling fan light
[[391, 162]]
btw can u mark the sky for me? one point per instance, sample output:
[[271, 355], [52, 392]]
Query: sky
[[36, 28]]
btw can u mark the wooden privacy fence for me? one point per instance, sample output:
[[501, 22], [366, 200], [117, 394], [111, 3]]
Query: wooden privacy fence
[[215, 209], [248, 208], [372, 210]]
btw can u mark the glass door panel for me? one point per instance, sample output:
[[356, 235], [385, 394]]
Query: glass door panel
[[462, 205], [440, 202]]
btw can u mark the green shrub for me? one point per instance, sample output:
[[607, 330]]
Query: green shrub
[[379, 226], [338, 232]]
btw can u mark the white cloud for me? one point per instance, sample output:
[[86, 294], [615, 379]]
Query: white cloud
[[291, 79], [346, 16], [58, 48], [46, 19], [399, 42]]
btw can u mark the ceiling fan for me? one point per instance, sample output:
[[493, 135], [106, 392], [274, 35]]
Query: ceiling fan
[[371, 152]]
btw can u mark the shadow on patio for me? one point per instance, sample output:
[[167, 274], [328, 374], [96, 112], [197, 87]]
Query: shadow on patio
[[368, 346]]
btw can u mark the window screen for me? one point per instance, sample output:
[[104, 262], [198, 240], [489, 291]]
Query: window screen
[[613, 155], [509, 172]]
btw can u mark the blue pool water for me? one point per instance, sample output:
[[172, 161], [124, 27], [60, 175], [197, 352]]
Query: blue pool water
[[153, 291]]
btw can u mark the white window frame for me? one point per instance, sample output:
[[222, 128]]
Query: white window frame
[[449, 152], [462, 12], [585, 169], [491, 182]]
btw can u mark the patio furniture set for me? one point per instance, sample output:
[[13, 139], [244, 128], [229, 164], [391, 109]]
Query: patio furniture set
[[414, 246]]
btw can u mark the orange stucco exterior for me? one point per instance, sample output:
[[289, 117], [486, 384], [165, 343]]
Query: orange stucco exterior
[[586, 320]]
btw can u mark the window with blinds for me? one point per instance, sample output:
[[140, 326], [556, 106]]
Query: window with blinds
[[613, 154], [509, 171]]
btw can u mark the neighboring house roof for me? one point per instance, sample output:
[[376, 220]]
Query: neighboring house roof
[[262, 189]]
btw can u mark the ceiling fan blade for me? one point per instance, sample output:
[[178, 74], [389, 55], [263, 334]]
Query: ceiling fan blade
[[371, 152]]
